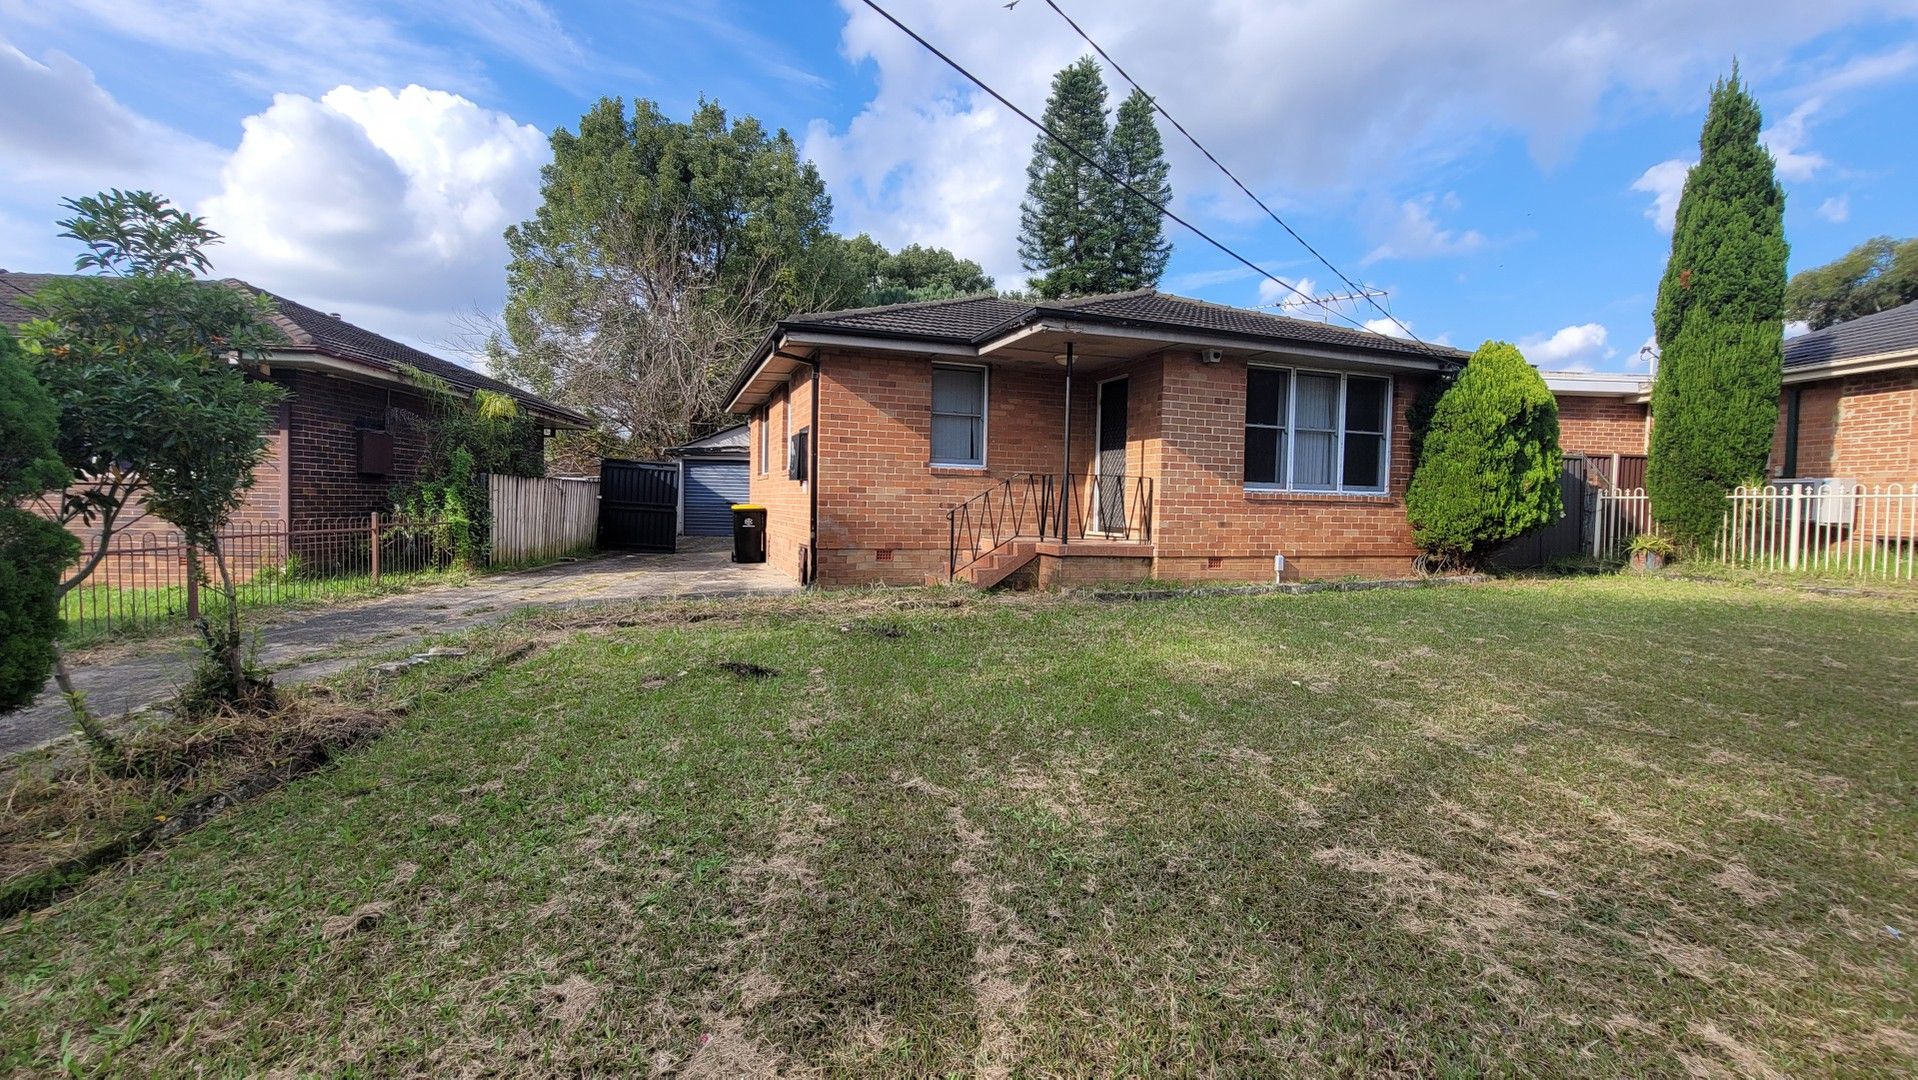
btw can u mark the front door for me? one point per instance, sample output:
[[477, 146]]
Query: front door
[[1109, 465]]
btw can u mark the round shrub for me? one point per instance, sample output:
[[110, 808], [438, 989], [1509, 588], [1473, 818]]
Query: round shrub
[[1489, 462]]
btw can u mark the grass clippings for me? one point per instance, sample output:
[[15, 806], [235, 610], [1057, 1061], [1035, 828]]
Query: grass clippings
[[1611, 826]]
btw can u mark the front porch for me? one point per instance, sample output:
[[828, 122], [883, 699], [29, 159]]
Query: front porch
[[1029, 529]]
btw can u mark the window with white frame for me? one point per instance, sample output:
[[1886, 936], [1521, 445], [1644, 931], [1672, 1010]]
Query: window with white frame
[[1316, 431], [765, 438], [958, 416]]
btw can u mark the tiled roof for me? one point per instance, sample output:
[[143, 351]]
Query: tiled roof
[[1163, 309], [308, 328], [1892, 330], [965, 319], [975, 319]]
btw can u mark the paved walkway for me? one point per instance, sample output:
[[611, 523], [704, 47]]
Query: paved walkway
[[311, 644]]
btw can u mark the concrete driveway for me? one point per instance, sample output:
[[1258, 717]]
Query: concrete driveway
[[302, 645]]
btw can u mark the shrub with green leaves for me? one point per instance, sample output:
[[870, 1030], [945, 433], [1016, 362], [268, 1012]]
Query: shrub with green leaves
[[1489, 463], [33, 550]]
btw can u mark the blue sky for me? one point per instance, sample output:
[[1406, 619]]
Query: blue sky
[[1497, 165]]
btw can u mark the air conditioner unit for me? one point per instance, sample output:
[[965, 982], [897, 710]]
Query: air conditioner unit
[[1828, 500]]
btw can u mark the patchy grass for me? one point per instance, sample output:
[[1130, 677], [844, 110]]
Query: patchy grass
[[1601, 825]]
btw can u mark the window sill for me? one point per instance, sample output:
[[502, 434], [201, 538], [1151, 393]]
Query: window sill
[[1283, 495], [970, 470]]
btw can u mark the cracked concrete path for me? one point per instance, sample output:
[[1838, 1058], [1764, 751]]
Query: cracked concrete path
[[301, 645]]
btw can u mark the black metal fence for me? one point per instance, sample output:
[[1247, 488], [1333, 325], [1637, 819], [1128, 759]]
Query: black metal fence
[[151, 578]]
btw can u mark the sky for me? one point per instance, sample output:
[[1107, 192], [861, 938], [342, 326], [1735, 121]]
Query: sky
[[1501, 168]]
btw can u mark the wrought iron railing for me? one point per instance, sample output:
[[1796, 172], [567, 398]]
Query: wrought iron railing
[[1036, 506]]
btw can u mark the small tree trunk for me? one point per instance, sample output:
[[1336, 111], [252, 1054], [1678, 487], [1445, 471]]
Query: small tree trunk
[[90, 727], [228, 645]]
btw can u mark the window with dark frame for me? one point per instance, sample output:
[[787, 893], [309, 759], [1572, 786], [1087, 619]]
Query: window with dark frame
[[958, 416], [1316, 431]]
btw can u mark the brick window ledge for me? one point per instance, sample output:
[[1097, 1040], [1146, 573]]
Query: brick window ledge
[[1320, 498], [956, 470]]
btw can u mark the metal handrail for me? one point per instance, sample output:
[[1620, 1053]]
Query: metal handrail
[[1000, 514]]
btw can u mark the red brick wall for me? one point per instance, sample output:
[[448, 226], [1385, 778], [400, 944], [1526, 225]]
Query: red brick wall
[[883, 507], [1601, 426], [1209, 527], [786, 501], [1859, 427], [326, 416]]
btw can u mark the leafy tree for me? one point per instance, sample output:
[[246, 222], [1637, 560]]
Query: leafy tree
[[1877, 275], [1137, 156], [913, 273], [1489, 463], [1065, 227], [650, 230], [33, 550], [146, 366], [1719, 322]]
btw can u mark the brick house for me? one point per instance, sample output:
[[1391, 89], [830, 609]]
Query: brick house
[[1849, 410], [1850, 407], [916, 442], [351, 427]]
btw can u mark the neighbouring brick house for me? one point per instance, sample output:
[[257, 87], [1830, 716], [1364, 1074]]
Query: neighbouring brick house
[[351, 427], [1849, 410], [907, 443]]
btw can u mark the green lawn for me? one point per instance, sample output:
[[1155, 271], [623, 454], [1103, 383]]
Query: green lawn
[[96, 613], [1603, 825]]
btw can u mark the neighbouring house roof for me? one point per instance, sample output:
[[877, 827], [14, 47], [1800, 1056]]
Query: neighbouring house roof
[[1596, 384], [1886, 334], [979, 321], [726, 442], [310, 330]]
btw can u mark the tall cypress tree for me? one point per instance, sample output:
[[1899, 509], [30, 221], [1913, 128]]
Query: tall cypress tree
[[1140, 249], [1065, 231], [1720, 324]]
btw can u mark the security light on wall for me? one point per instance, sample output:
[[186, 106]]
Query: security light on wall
[[1211, 356]]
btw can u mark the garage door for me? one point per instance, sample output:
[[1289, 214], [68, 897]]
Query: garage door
[[712, 487]]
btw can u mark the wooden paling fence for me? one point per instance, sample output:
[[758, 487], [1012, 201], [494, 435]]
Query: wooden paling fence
[[539, 517]]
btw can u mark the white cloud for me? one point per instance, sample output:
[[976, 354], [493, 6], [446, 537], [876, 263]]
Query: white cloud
[[1796, 329], [1786, 139], [1664, 182], [378, 201], [1298, 96], [1570, 348], [1412, 232], [74, 136], [1836, 209], [1273, 294], [1389, 327]]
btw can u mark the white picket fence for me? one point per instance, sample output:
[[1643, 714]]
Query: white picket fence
[[539, 517], [1830, 528], [1838, 528], [1619, 516]]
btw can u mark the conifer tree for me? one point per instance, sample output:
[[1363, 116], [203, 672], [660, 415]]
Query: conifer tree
[[1139, 250], [1065, 231], [1720, 325]]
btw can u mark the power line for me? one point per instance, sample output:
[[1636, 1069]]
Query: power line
[[1189, 137], [1100, 167]]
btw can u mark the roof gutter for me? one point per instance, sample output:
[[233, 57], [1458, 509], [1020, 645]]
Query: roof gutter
[[1857, 365]]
